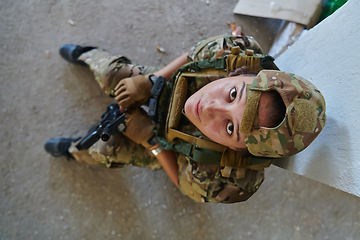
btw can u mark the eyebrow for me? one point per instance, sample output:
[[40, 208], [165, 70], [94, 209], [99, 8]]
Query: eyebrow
[[237, 125], [237, 133], [241, 91]]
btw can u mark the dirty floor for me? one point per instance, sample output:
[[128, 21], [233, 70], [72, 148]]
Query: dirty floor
[[42, 96]]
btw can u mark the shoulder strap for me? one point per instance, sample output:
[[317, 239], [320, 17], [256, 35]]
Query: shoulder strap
[[204, 151], [198, 142]]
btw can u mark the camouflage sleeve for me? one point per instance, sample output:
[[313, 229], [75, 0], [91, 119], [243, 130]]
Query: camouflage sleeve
[[110, 69], [205, 182], [219, 46]]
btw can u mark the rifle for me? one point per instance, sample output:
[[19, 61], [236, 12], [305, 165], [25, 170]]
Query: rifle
[[112, 121]]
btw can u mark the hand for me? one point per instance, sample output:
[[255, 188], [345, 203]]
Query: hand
[[139, 127], [133, 91]]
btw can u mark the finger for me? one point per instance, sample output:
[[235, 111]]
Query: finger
[[121, 96], [121, 93], [120, 90], [117, 86], [121, 83]]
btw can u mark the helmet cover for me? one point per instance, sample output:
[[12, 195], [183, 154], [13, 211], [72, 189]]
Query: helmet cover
[[304, 118]]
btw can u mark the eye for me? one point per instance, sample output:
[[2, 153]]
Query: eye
[[233, 94], [230, 128]]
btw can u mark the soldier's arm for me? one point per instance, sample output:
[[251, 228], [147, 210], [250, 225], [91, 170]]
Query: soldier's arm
[[169, 69], [168, 161], [167, 158], [135, 91]]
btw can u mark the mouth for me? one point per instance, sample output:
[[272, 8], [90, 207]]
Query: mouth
[[197, 109]]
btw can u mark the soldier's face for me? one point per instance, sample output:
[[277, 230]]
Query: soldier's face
[[217, 110]]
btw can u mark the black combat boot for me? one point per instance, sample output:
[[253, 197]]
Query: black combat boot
[[71, 53], [59, 147]]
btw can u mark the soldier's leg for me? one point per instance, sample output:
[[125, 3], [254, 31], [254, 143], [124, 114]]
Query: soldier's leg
[[119, 151], [109, 69]]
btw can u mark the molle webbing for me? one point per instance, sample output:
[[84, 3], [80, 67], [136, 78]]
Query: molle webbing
[[234, 62], [219, 64], [204, 43], [234, 159], [253, 63]]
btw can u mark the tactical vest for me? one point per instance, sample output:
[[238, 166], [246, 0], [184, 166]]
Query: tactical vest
[[173, 98]]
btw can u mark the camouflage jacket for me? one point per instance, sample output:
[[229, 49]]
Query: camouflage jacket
[[207, 182]]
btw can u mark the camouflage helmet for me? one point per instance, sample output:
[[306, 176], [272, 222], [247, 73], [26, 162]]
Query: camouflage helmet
[[304, 118]]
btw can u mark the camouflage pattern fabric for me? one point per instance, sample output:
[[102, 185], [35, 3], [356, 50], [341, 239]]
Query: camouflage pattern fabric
[[119, 150], [205, 182], [109, 69], [220, 46], [304, 119], [201, 182]]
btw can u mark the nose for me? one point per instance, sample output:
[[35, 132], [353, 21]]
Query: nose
[[215, 108]]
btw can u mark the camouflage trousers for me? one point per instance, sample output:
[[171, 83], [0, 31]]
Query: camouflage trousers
[[109, 70], [119, 151]]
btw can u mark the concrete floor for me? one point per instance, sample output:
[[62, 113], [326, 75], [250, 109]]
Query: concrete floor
[[42, 96]]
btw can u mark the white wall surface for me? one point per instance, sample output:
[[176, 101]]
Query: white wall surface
[[329, 56]]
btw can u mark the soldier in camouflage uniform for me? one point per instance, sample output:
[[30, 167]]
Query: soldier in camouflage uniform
[[206, 182], [109, 70]]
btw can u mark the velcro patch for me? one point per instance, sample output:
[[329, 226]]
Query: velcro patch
[[305, 115], [251, 110]]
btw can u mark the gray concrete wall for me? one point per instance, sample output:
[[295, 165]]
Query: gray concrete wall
[[41, 97], [328, 55]]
